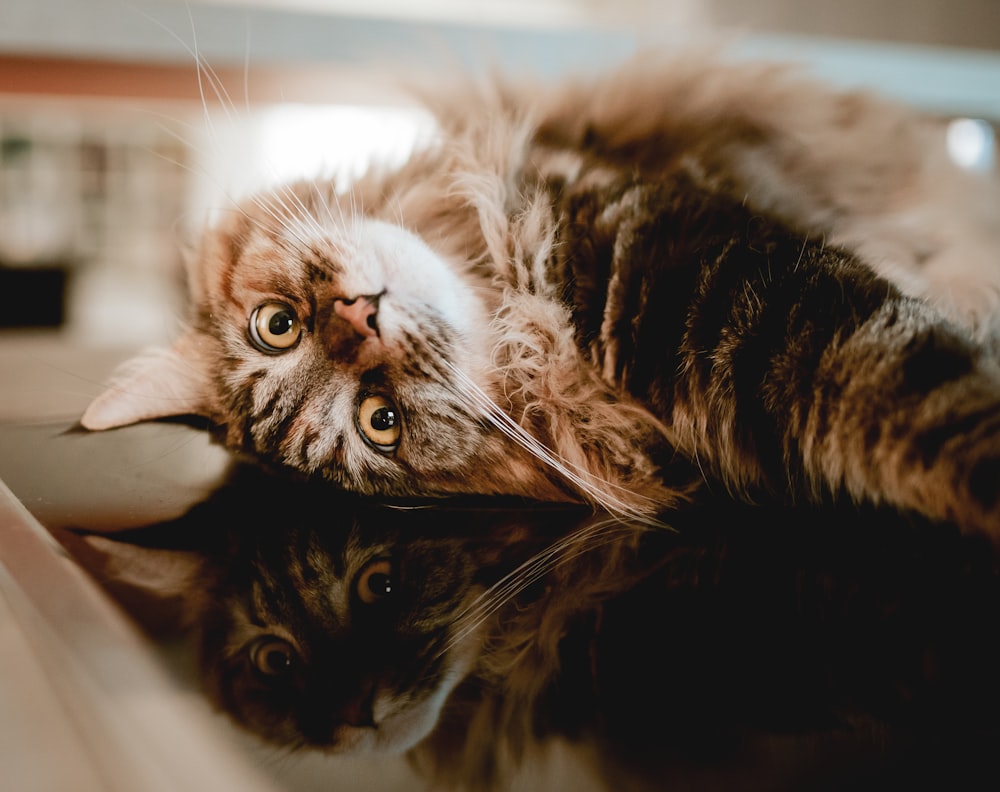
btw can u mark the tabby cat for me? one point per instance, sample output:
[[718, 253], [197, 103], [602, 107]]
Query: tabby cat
[[809, 649], [350, 637], [612, 291]]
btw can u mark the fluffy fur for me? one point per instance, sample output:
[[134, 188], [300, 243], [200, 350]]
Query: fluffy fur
[[810, 647], [353, 639], [613, 292]]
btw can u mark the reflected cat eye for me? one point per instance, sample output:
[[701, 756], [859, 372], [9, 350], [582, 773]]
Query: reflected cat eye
[[274, 327], [273, 657], [379, 423], [375, 581]]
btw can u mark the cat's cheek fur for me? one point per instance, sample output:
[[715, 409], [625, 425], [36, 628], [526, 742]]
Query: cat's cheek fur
[[402, 728]]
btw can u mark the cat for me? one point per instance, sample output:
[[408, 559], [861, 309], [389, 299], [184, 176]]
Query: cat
[[468, 637], [352, 637], [686, 273]]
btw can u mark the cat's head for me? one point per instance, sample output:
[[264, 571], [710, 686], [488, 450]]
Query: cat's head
[[335, 343], [343, 644], [315, 619]]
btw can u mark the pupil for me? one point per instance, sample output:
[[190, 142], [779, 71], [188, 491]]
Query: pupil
[[278, 660], [383, 418], [379, 584], [280, 323]]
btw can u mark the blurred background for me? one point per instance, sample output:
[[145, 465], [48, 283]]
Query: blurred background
[[115, 147]]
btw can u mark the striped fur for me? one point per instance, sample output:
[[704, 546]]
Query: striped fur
[[363, 663], [323, 621], [487, 629], [614, 292], [361, 677], [445, 657]]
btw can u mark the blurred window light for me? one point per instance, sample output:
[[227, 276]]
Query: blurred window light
[[972, 143], [287, 142], [339, 141]]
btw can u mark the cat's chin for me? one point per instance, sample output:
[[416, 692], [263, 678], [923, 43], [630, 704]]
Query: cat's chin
[[399, 728], [392, 737]]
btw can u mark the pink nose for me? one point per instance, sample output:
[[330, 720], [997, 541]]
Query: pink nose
[[361, 313]]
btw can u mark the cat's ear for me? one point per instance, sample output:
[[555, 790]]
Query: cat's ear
[[163, 589], [157, 384]]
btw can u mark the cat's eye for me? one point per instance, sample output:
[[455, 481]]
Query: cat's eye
[[379, 423], [375, 581], [274, 327], [273, 657]]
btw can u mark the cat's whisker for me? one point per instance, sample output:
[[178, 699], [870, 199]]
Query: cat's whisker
[[209, 82], [218, 89], [190, 49], [282, 221], [289, 200], [197, 172], [357, 210], [338, 202], [246, 67], [204, 72], [530, 571], [514, 583], [572, 472], [397, 205], [547, 559], [313, 213], [324, 203], [508, 587], [308, 215], [333, 200]]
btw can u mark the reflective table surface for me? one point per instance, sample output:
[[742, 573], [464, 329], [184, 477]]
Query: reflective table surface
[[751, 648]]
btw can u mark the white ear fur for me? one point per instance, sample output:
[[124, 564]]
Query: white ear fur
[[156, 384]]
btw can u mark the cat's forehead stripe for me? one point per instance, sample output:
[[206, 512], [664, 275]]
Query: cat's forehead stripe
[[320, 268]]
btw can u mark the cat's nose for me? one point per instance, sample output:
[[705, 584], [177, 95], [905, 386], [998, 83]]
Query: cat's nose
[[359, 710], [361, 313]]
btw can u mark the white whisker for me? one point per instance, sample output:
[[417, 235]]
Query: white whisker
[[246, 68], [308, 217], [586, 539], [283, 221], [324, 203], [581, 479]]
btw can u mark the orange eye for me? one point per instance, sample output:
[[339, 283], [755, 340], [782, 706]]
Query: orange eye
[[379, 423], [274, 327], [375, 581], [273, 657]]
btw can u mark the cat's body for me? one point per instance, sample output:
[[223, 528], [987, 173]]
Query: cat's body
[[612, 293]]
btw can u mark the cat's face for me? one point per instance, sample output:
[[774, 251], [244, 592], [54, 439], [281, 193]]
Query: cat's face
[[346, 646], [333, 343], [317, 619], [354, 640]]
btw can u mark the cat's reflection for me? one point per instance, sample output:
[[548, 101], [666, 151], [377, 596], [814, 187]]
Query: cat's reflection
[[465, 634], [322, 620]]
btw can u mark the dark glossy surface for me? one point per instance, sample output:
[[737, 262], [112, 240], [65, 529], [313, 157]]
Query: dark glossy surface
[[752, 649]]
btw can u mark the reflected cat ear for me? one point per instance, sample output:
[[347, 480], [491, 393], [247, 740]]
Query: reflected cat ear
[[163, 589], [157, 384]]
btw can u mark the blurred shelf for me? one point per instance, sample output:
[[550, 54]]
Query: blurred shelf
[[309, 35]]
